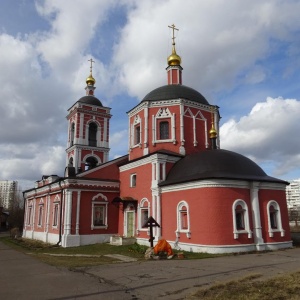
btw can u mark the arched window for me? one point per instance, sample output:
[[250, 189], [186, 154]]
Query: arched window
[[133, 180], [240, 217], [40, 215], [137, 134], [183, 219], [93, 134], [72, 134], [90, 163], [99, 212], [143, 213], [274, 216], [164, 130], [71, 162]]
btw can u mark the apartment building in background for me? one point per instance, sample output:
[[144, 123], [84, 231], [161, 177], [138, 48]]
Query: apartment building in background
[[293, 194], [8, 192]]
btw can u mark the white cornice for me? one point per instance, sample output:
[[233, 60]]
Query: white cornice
[[78, 105], [170, 102], [67, 183], [85, 147], [148, 160], [205, 184], [220, 183], [272, 186]]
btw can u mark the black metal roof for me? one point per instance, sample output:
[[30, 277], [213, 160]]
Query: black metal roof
[[90, 100], [216, 164], [173, 91]]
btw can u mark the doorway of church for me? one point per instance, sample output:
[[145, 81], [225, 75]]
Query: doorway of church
[[129, 230]]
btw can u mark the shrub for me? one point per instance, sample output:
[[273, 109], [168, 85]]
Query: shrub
[[15, 233]]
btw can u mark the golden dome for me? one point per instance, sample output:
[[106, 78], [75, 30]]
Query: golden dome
[[90, 80], [174, 59]]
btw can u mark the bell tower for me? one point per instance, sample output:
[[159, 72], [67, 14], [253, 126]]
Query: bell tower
[[88, 130]]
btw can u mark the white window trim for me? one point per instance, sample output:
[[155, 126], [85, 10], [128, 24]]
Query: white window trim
[[104, 203], [137, 122], [56, 202], [40, 215], [141, 206], [131, 180], [58, 208], [29, 216], [278, 219], [179, 222], [247, 230], [198, 116], [163, 113]]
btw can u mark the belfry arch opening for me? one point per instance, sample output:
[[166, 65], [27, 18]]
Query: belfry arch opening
[[72, 133], [90, 163], [93, 134]]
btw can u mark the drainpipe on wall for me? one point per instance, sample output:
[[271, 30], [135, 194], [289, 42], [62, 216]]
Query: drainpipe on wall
[[60, 214], [257, 228]]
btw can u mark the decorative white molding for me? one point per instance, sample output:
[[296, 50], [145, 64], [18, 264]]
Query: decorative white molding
[[205, 184], [179, 228], [236, 231], [142, 206], [272, 186], [148, 160], [101, 196], [278, 219]]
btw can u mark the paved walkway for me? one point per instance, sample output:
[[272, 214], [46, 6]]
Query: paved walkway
[[23, 277]]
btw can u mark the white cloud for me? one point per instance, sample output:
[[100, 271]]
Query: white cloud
[[32, 162], [268, 133], [217, 40], [119, 143]]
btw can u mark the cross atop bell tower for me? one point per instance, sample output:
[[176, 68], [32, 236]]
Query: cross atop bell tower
[[174, 70], [90, 81]]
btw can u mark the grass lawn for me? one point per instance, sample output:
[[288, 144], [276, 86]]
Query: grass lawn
[[49, 253], [253, 288]]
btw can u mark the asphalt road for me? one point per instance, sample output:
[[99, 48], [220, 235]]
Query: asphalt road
[[24, 277]]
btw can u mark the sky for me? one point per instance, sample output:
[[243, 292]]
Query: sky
[[243, 56]]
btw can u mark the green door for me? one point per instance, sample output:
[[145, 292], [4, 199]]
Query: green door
[[130, 223]]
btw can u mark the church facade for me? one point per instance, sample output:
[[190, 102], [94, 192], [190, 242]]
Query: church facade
[[204, 198]]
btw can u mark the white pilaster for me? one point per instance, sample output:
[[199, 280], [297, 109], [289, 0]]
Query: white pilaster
[[257, 229], [68, 212], [181, 125], [80, 140], [78, 212], [105, 133]]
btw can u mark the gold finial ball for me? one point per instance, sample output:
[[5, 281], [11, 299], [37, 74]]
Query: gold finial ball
[[174, 59], [90, 80]]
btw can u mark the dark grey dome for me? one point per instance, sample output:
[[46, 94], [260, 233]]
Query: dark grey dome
[[173, 91], [212, 164], [90, 100]]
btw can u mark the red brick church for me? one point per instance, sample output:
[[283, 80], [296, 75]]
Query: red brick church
[[204, 198]]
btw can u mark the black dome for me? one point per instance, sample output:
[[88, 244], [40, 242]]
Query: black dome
[[173, 91], [222, 164], [90, 100]]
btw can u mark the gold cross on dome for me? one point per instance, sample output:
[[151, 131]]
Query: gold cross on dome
[[91, 67], [173, 35]]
